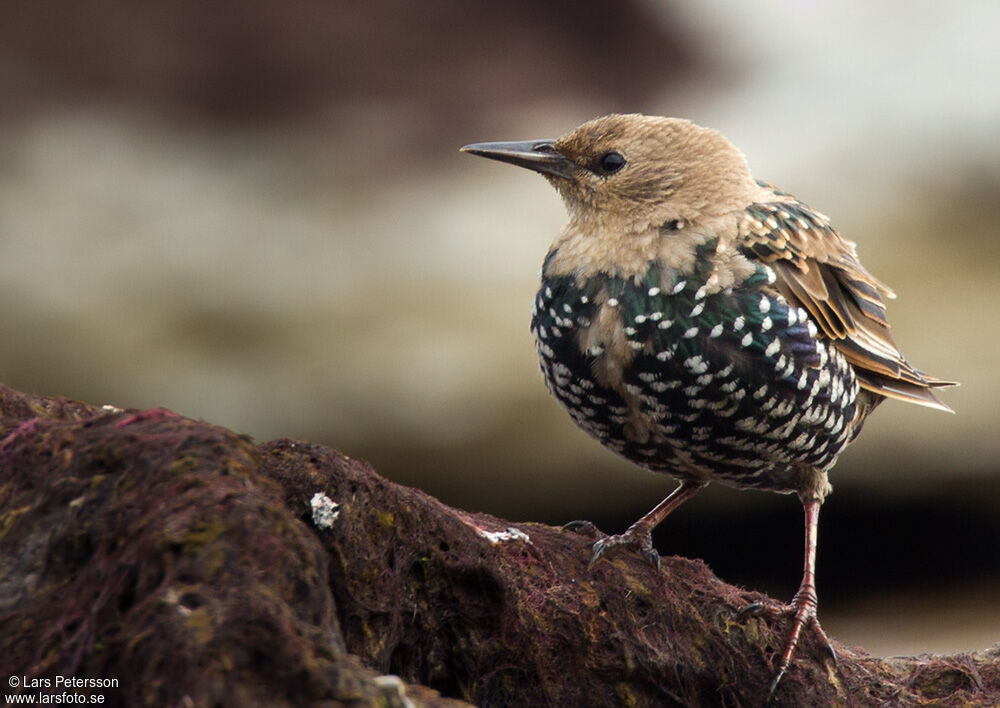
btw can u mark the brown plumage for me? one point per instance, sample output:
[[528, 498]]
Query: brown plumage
[[818, 269], [702, 323]]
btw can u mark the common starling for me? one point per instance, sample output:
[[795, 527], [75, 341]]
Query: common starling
[[705, 324]]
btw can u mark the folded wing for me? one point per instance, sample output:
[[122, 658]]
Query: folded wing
[[819, 270]]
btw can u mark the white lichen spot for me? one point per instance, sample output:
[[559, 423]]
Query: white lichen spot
[[511, 534], [324, 511]]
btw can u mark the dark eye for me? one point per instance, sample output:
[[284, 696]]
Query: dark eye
[[610, 163]]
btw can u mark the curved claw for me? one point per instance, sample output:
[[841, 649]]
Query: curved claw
[[582, 526], [774, 686], [754, 609]]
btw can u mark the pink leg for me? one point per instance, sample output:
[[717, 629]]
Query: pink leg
[[639, 535], [803, 605]]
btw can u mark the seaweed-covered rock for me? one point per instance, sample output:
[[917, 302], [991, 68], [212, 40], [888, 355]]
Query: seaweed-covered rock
[[150, 548], [198, 568]]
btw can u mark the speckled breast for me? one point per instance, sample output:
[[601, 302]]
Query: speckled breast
[[729, 385]]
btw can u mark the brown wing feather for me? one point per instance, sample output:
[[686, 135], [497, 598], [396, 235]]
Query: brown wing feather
[[818, 270]]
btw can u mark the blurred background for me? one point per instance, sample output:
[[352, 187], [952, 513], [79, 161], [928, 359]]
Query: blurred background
[[256, 213]]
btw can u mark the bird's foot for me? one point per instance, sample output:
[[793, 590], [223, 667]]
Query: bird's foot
[[803, 612], [638, 536]]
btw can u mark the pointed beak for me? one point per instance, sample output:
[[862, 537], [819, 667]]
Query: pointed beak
[[538, 155]]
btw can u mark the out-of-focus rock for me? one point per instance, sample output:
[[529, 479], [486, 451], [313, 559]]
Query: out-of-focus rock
[[441, 64]]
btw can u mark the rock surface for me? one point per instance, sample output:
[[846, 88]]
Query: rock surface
[[200, 568]]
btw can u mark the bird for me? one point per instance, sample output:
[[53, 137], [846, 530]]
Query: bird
[[708, 325]]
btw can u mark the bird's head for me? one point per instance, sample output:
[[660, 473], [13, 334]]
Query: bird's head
[[633, 172]]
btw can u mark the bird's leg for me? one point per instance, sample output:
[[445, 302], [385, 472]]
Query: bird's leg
[[639, 534], [804, 603]]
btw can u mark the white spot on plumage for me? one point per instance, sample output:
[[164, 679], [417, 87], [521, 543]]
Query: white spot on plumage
[[738, 323], [784, 408], [636, 345], [679, 286], [653, 292], [548, 291], [584, 299], [630, 331], [760, 392], [766, 324], [639, 319], [656, 316], [799, 442], [690, 333], [812, 328], [665, 354], [701, 293], [803, 380], [595, 350], [647, 376], [566, 307], [716, 331], [666, 324], [696, 364], [745, 424], [792, 316], [774, 346], [765, 304], [747, 340], [612, 302], [697, 309]]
